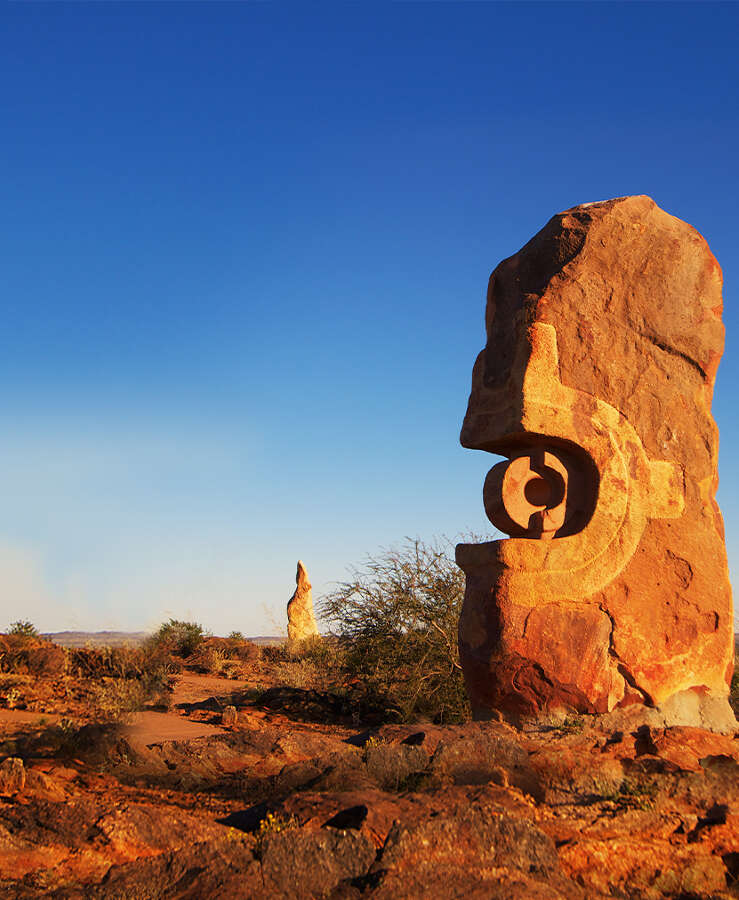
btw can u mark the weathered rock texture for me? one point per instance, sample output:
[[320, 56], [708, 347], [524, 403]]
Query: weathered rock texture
[[604, 335], [301, 622]]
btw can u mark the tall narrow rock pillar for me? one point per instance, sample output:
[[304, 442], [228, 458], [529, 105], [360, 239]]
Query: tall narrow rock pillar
[[301, 621]]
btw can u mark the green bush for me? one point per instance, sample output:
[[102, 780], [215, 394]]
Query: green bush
[[180, 638], [23, 629], [396, 624]]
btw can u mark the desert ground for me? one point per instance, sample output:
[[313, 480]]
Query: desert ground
[[245, 771]]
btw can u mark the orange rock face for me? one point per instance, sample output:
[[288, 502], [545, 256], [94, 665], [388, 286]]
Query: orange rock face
[[604, 335]]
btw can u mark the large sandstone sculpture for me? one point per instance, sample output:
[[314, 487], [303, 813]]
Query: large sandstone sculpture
[[301, 622], [604, 335]]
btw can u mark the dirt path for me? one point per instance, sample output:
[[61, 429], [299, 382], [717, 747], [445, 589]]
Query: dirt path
[[196, 688], [152, 727], [15, 719]]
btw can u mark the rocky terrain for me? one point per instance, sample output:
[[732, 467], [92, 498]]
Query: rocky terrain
[[259, 785]]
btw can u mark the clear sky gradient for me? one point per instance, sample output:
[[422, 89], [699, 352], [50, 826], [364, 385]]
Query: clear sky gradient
[[245, 255]]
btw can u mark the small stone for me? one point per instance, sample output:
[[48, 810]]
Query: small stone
[[12, 776]]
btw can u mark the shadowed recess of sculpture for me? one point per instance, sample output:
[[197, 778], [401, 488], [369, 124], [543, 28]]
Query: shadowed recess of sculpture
[[604, 335]]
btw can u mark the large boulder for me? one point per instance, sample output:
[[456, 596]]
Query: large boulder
[[604, 335]]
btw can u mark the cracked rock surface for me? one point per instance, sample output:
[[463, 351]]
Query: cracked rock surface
[[283, 807]]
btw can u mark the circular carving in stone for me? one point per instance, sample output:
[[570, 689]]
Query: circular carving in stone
[[527, 496]]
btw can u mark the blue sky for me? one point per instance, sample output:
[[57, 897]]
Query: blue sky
[[246, 249]]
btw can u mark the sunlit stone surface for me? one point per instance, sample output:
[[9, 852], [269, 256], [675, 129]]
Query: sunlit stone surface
[[604, 335], [301, 620]]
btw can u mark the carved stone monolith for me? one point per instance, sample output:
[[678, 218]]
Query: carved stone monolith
[[604, 335], [301, 621]]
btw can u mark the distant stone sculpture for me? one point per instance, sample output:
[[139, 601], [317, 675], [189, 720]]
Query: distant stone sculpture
[[301, 622], [604, 335]]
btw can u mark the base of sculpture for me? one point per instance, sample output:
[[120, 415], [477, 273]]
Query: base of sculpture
[[540, 663]]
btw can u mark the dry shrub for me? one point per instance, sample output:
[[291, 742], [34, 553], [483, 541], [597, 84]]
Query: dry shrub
[[23, 654], [120, 662], [396, 623], [298, 673], [316, 662], [211, 660], [124, 678], [227, 657], [241, 649], [117, 699]]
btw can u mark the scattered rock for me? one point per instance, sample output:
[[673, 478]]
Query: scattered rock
[[299, 864], [389, 765], [480, 753], [476, 850], [225, 869]]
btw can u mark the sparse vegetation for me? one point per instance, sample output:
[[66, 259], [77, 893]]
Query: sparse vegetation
[[228, 657], [300, 673], [22, 654], [23, 628], [373, 741], [638, 792], [124, 678], [116, 699], [12, 696], [572, 724], [178, 637], [121, 662], [396, 625], [272, 824]]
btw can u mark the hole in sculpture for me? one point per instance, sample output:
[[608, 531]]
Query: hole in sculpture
[[538, 492], [545, 489]]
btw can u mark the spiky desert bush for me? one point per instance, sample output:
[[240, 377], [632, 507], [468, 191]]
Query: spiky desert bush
[[396, 624], [23, 628]]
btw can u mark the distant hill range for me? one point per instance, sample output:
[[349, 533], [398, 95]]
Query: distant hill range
[[123, 638]]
